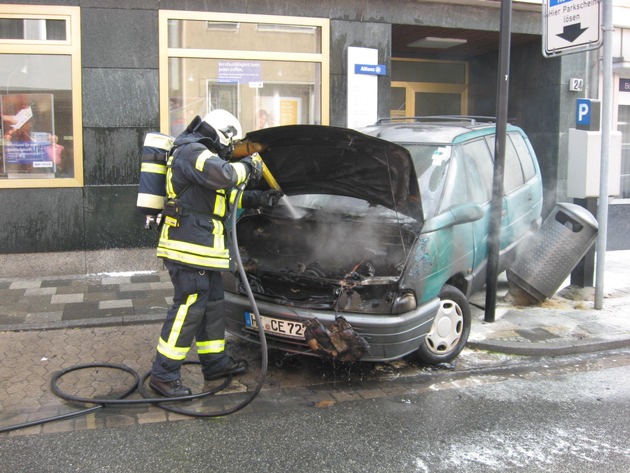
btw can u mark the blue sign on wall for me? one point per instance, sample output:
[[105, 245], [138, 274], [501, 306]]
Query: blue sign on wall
[[583, 112], [588, 115], [376, 70]]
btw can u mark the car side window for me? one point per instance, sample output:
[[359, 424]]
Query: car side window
[[524, 155], [456, 189], [432, 164], [513, 173], [479, 169]]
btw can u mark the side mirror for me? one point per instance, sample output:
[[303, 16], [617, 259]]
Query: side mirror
[[455, 215]]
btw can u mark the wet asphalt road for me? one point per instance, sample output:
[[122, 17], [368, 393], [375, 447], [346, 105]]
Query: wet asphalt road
[[554, 415]]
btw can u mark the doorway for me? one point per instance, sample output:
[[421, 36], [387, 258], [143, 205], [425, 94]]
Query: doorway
[[425, 88]]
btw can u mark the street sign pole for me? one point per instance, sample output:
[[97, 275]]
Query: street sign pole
[[602, 210], [496, 205]]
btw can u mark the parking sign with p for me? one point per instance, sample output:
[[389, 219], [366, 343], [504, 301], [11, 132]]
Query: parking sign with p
[[587, 114]]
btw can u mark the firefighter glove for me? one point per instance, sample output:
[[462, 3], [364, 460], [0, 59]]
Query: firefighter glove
[[259, 199], [255, 168]]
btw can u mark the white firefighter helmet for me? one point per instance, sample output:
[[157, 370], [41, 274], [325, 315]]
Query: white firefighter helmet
[[225, 124]]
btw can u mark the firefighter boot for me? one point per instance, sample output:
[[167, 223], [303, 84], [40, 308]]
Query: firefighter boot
[[232, 367], [169, 388]]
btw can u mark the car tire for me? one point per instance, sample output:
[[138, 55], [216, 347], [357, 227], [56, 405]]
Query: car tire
[[450, 329]]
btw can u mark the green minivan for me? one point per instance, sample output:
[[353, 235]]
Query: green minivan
[[385, 228]]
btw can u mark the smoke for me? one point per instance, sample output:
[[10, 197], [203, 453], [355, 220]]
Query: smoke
[[336, 245]]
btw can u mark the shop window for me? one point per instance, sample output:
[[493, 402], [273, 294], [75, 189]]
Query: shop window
[[266, 70], [40, 100]]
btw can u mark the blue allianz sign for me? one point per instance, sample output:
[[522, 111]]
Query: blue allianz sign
[[374, 70]]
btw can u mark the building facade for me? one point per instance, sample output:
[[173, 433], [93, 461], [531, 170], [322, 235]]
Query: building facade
[[83, 81]]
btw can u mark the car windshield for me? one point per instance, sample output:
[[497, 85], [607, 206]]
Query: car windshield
[[432, 163]]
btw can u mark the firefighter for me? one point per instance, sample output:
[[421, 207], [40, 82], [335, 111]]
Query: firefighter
[[200, 184]]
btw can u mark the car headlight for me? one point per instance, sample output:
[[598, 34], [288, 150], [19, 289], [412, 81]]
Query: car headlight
[[404, 303]]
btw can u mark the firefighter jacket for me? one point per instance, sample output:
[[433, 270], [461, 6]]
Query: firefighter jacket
[[199, 185]]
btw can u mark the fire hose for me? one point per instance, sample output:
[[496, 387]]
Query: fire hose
[[161, 402]]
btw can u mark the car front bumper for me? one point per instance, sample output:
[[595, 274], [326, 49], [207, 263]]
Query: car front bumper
[[390, 336]]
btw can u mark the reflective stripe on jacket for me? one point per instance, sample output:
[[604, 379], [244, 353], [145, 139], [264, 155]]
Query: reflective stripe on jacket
[[200, 180]]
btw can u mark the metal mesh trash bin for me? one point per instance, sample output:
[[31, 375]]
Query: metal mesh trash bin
[[553, 251]]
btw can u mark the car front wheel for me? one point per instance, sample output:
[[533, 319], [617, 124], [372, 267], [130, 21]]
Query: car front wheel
[[450, 328]]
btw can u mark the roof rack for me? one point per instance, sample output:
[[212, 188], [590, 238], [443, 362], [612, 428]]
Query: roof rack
[[471, 119]]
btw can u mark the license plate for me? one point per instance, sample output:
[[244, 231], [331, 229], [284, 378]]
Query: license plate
[[286, 328]]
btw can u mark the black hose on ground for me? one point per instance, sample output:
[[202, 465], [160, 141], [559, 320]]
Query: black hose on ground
[[162, 402]]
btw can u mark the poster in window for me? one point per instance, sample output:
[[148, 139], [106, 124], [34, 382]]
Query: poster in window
[[290, 110], [28, 135]]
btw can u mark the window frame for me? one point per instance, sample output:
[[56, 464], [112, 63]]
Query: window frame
[[166, 53], [71, 46]]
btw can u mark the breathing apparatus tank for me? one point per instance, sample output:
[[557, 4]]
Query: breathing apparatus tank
[[152, 186]]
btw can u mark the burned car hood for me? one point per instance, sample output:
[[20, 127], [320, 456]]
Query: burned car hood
[[315, 159]]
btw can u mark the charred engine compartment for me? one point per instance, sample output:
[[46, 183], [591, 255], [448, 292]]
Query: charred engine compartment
[[336, 264]]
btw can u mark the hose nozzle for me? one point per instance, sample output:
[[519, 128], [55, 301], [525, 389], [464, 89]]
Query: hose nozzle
[[267, 173]]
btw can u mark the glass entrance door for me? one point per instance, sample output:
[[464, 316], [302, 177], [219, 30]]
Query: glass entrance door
[[421, 100], [434, 103], [425, 88]]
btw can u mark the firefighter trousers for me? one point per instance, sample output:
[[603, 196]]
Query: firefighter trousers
[[196, 314]]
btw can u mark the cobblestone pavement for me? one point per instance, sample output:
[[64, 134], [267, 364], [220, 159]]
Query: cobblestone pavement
[[29, 359], [53, 323]]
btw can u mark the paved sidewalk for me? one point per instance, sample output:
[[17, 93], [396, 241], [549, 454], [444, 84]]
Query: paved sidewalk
[[564, 324], [83, 301]]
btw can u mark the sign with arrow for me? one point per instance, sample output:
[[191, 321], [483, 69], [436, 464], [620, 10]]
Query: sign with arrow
[[571, 26]]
